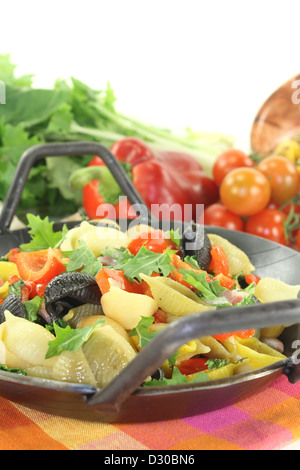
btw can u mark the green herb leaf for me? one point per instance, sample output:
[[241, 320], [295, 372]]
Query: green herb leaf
[[209, 290], [15, 370], [42, 234], [83, 259], [177, 379], [32, 308], [69, 339], [148, 262], [16, 287], [142, 331]]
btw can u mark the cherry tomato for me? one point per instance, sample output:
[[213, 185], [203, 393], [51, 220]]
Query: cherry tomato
[[269, 223], [218, 215], [283, 177], [155, 241], [245, 191], [229, 160]]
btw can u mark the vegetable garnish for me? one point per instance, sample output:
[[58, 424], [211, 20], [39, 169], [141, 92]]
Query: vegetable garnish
[[84, 260], [148, 262], [42, 234], [69, 339]]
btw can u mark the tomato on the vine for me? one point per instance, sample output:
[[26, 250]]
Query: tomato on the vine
[[283, 177], [270, 224], [228, 161], [245, 191], [219, 216]]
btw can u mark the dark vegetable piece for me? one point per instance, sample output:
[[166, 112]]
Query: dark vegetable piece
[[195, 242], [13, 304], [69, 290]]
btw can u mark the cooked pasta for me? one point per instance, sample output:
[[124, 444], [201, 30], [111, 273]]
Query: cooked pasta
[[140, 292]]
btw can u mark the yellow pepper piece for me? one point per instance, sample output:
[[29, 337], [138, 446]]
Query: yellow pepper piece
[[8, 269], [4, 291]]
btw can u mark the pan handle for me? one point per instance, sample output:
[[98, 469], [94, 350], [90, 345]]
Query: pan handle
[[200, 324], [71, 149]]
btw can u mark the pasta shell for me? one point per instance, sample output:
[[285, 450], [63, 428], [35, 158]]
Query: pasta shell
[[218, 350], [26, 340], [269, 290], [95, 237], [174, 298], [258, 353], [238, 260], [107, 353], [73, 367], [91, 320], [42, 372], [127, 308], [75, 315]]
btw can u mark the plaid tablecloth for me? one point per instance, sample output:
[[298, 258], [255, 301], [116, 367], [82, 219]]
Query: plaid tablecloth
[[266, 421]]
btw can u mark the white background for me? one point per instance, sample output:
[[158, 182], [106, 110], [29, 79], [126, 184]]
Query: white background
[[207, 65]]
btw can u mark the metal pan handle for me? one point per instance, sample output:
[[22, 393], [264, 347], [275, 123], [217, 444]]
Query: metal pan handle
[[185, 329], [71, 149]]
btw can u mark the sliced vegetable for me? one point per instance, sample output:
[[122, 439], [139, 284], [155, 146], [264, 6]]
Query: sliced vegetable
[[40, 266]]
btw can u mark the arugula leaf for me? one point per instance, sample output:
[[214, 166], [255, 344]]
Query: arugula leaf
[[32, 308], [148, 262], [69, 339], [16, 287], [209, 290], [42, 234], [142, 331], [248, 299], [177, 379], [216, 363], [15, 370], [84, 259]]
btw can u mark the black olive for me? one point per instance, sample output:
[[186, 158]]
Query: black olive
[[13, 304], [69, 290], [195, 242]]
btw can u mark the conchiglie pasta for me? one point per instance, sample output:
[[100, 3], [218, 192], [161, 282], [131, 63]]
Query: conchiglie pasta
[[26, 340], [270, 290], [92, 319], [127, 308], [173, 298], [107, 353], [72, 366], [218, 350], [258, 353], [239, 261], [136, 229], [97, 238]]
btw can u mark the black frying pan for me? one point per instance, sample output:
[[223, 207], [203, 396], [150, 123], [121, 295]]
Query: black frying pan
[[124, 400]]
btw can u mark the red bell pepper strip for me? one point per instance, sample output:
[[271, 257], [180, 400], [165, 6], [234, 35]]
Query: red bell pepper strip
[[244, 334], [219, 262], [41, 266], [252, 278], [172, 184], [108, 276], [193, 365]]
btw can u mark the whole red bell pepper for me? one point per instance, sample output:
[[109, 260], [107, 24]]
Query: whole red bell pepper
[[171, 183]]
